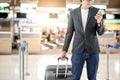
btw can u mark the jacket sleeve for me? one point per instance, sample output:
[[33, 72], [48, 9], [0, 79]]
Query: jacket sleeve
[[101, 29], [69, 33]]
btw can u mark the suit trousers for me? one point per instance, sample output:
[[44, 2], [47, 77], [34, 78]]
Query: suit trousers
[[78, 61]]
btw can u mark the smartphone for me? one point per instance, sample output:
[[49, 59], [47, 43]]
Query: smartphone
[[99, 12]]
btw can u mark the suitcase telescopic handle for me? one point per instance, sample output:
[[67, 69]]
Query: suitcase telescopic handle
[[65, 67], [60, 58]]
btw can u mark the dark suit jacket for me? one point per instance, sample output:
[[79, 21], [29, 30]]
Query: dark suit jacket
[[83, 39]]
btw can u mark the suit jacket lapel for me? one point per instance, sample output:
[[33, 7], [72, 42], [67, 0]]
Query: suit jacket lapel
[[89, 16], [80, 18]]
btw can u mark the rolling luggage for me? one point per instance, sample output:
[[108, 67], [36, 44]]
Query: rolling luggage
[[58, 72]]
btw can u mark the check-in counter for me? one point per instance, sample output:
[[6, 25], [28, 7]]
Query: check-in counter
[[33, 39], [5, 43]]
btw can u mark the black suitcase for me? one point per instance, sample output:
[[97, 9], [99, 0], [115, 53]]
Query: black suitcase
[[58, 72]]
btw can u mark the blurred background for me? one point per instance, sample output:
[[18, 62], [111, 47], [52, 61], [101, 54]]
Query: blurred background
[[42, 24]]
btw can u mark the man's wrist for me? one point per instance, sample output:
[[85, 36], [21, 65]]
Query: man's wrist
[[99, 24], [64, 52]]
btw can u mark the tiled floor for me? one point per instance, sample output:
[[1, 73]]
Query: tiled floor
[[9, 66]]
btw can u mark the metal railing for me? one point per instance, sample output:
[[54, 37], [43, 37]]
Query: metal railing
[[23, 60], [108, 46]]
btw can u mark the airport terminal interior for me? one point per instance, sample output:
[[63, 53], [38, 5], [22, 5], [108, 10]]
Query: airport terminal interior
[[32, 34]]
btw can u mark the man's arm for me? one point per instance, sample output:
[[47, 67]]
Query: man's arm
[[100, 28], [69, 33], [100, 24], [68, 37]]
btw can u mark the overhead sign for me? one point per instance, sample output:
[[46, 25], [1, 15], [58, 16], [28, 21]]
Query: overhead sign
[[52, 3], [5, 0], [29, 1], [101, 2]]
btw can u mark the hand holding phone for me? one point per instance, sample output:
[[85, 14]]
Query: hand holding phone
[[98, 16]]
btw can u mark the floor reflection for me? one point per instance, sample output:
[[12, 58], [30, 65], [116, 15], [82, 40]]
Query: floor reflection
[[9, 66]]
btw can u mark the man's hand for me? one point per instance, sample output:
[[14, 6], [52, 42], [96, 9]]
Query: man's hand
[[63, 56], [99, 17]]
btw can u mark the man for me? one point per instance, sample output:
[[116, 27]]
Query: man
[[85, 22]]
